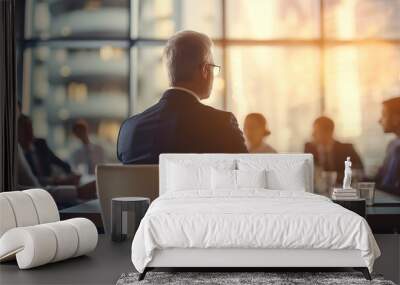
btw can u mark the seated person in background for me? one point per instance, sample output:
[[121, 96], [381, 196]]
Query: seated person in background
[[330, 154], [179, 123], [25, 177], [388, 178], [64, 195], [256, 130], [40, 158], [88, 155]]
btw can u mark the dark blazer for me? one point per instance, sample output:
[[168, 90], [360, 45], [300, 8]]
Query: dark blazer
[[388, 177], [46, 158], [340, 153], [178, 123]]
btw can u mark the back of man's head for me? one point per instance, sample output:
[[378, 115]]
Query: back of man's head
[[325, 123], [323, 130], [185, 52], [259, 120], [80, 125]]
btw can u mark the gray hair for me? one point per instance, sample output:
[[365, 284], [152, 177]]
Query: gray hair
[[185, 52]]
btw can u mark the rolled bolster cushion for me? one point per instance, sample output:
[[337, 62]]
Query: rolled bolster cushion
[[45, 206], [33, 246], [40, 244], [87, 235], [7, 218], [67, 240], [23, 208], [26, 208]]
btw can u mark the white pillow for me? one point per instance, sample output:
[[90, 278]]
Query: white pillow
[[251, 178], [281, 174], [185, 175], [223, 179], [280, 180], [236, 179]]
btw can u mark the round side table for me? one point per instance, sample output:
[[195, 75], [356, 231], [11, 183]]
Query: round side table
[[126, 214]]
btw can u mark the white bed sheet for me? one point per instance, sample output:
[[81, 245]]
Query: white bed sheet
[[251, 218]]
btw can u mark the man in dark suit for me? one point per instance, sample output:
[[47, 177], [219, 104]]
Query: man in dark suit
[[179, 123], [330, 154], [388, 177]]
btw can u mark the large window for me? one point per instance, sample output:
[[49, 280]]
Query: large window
[[291, 60]]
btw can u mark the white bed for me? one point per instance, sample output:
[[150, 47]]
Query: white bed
[[281, 224]]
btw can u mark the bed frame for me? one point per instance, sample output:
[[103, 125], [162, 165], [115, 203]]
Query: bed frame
[[249, 259]]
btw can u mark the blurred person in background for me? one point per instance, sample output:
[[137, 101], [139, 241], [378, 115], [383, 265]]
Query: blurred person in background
[[388, 178], [42, 161], [25, 177], [179, 122], [85, 158], [256, 130], [330, 154]]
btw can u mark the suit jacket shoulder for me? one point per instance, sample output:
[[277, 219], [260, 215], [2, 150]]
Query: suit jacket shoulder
[[309, 147], [224, 115], [178, 123], [227, 129], [345, 145], [136, 117], [348, 149]]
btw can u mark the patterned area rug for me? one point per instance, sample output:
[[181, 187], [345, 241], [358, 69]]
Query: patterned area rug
[[230, 278]]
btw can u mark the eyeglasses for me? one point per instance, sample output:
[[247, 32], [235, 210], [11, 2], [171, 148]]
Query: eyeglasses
[[216, 68]]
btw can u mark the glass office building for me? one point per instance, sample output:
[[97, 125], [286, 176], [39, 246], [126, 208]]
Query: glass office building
[[291, 60]]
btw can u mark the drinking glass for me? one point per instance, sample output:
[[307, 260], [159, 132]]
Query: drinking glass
[[367, 191]]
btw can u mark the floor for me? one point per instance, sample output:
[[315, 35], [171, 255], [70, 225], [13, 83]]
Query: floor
[[111, 259], [103, 266]]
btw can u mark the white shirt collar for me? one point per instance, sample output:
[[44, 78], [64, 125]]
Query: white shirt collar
[[185, 90]]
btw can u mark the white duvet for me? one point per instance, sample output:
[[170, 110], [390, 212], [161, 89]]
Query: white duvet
[[250, 219]]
